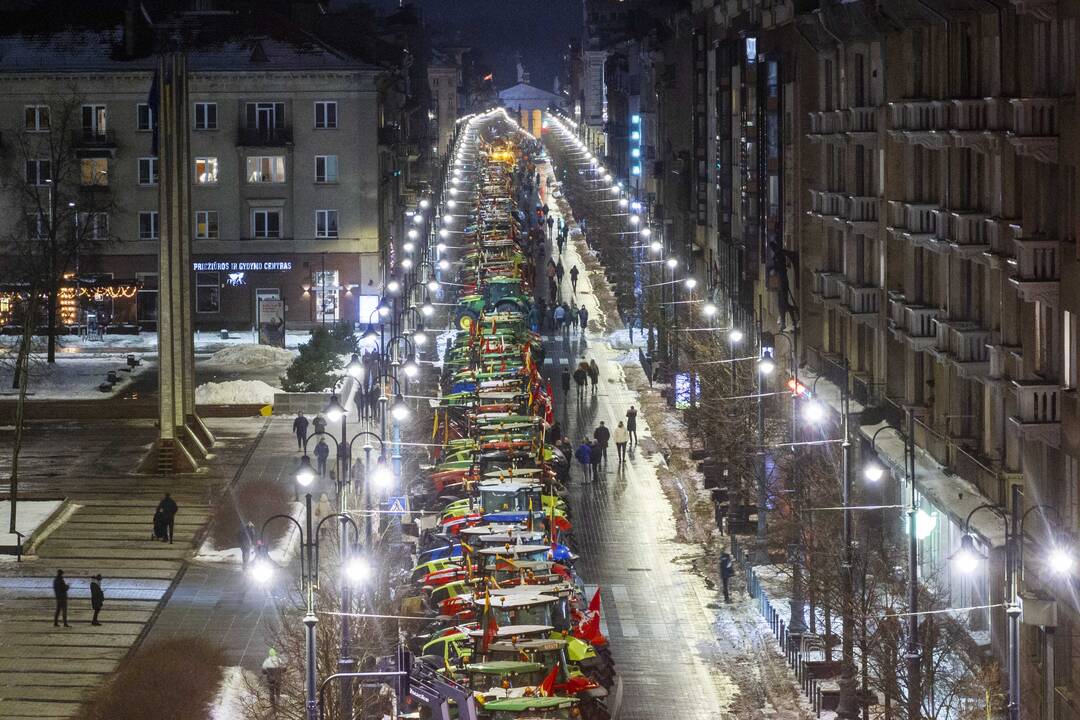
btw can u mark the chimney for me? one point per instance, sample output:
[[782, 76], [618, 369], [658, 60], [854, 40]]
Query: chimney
[[129, 29]]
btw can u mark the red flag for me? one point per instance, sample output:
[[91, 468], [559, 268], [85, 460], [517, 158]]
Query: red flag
[[594, 604], [548, 684], [490, 631], [589, 630]]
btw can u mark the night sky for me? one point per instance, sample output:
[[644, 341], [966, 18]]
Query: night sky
[[539, 30]]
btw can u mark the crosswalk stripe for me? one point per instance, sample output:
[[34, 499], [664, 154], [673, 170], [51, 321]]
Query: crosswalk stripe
[[624, 610], [564, 361], [549, 361]]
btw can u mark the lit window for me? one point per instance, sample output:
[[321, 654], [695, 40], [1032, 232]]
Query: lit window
[[266, 169], [207, 292], [206, 224], [206, 170], [325, 115], [635, 135], [326, 224], [38, 172], [326, 169], [636, 170], [636, 152], [148, 171], [148, 225], [205, 116], [635, 119], [145, 120], [94, 171], [37, 118], [266, 223]]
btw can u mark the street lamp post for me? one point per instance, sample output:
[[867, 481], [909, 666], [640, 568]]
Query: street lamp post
[[1061, 561], [309, 571]]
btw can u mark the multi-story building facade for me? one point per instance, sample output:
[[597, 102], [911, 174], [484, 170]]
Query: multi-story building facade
[[444, 81], [895, 181], [285, 167]]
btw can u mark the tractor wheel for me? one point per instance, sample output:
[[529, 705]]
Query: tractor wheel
[[594, 709], [464, 319]]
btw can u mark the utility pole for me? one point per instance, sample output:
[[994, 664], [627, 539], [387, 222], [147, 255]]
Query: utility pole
[[913, 654], [848, 707]]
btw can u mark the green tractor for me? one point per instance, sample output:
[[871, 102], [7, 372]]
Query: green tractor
[[501, 294]]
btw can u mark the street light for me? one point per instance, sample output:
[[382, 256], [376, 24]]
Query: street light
[[735, 335], [874, 472], [766, 365], [813, 412], [355, 368], [709, 309], [656, 246], [305, 473], [400, 410], [672, 262], [334, 410]]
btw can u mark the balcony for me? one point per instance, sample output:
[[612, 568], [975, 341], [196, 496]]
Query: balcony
[[965, 232], [863, 301], [1034, 128], [88, 142], [920, 122], [963, 343], [862, 124], [999, 234], [861, 213], [978, 124], [264, 137], [1038, 271], [1006, 362], [897, 302], [827, 126], [913, 221], [826, 204], [1044, 10], [827, 285], [917, 327], [1039, 411]]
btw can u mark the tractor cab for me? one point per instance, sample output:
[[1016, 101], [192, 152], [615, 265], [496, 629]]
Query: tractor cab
[[520, 608], [510, 496]]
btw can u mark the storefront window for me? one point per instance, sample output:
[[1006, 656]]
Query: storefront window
[[146, 302], [207, 292], [326, 296]]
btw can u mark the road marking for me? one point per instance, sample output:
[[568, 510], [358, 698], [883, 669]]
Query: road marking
[[624, 610], [549, 361], [564, 361]]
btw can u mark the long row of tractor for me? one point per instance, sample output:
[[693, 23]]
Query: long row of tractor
[[513, 633]]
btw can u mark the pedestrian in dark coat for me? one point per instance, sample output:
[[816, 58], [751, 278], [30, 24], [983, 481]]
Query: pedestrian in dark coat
[[594, 374], [60, 592], [602, 435], [248, 539], [727, 569], [581, 376], [299, 428], [583, 318], [322, 451], [319, 423], [559, 271], [168, 508], [97, 598], [631, 424], [553, 434], [572, 316], [565, 380], [574, 272], [584, 456], [596, 456]]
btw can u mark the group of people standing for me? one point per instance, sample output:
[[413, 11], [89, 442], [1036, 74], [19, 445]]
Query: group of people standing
[[591, 454], [61, 587]]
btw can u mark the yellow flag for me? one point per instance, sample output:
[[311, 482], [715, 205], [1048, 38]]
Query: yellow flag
[[435, 426]]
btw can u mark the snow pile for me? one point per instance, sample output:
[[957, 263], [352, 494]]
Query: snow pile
[[233, 694], [235, 392], [252, 356]]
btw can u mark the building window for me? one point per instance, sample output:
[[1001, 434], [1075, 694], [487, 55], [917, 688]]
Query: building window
[[145, 120], [94, 226], [1069, 346], [326, 224], [38, 172], [94, 171], [207, 292], [205, 116], [325, 115], [206, 170], [148, 225], [326, 169], [266, 223], [146, 301], [37, 118], [265, 115], [206, 225], [148, 171], [266, 169], [93, 121]]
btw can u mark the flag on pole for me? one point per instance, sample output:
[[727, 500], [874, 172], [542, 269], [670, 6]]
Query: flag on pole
[[548, 685]]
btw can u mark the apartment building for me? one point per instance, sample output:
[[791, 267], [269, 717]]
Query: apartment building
[[895, 180], [285, 164]]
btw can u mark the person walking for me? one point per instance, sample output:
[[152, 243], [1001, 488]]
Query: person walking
[[60, 592], [583, 318], [584, 457], [559, 271], [574, 272], [562, 241], [168, 508], [97, 598], [553, 434], [247, 540], [602, 435], [550, 224], [594, 374], [581, 376], [631, 424], [299, 428], [319, 423], [572, 316], [621, 437], [596, 456], [273, 669], [322, 452], [559, 316], [565, 381], [727, 569]]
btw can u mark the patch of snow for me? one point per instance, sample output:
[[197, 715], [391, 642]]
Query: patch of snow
[[282, 552], [620, 339], [71, 377], [247, 355], [30, 515], [235, 392], [233, 694]]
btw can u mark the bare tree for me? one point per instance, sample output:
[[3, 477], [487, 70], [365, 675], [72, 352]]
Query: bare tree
[[60, 202]]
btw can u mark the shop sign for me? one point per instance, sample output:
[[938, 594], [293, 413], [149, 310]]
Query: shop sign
[[232, 266]]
